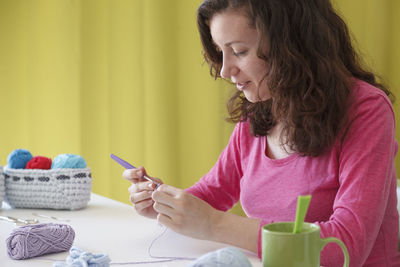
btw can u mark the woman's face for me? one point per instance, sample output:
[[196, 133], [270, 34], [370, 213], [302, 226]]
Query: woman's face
[[237, 40]]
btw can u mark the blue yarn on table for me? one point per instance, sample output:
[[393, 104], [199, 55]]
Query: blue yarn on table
[[19, 158], [224, 257], [80, 258], [67, 161]]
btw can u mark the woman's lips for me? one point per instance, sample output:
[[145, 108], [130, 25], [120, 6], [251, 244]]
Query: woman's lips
[[242, 86]]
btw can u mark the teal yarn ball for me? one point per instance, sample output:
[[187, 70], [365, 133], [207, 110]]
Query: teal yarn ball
[[18, 158], [68, 161]]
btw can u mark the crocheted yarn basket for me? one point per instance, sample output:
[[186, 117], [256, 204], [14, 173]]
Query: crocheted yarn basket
[[2, 187], [48, 189]]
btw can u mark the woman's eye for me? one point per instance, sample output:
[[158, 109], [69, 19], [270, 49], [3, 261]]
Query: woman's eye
[[239, 53]]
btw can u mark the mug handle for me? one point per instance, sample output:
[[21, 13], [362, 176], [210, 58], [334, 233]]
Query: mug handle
[[327, 240]]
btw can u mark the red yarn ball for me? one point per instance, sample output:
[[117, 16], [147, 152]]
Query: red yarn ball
[[39, 162]]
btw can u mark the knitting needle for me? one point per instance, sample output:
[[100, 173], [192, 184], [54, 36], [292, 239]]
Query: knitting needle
[[127, 165], [19, 221], [50, 217]]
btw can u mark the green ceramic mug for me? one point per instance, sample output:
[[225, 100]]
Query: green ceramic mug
[[280, 247]]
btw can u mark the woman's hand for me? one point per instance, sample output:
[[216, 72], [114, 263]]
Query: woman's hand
[[183, 212], [140, 191], [189, 215]]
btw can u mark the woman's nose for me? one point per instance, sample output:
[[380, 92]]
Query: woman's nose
[[228, 69]]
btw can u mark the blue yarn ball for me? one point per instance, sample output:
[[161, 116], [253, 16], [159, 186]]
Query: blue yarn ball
[[80, 258], [68, 161], [18, 158], [224, 257]]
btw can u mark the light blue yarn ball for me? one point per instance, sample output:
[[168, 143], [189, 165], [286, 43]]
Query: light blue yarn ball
[[80, 258], [224, 257], [68, 161], [19, 158]]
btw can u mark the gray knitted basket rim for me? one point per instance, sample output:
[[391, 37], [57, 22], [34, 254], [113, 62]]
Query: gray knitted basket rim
[[68, 189]]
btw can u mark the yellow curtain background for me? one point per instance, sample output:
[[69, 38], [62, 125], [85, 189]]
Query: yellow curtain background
[[94, 77]]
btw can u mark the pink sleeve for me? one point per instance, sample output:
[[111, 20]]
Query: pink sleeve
[[366, 177], [220, 187]]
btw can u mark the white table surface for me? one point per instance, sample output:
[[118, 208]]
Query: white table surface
[[113, 228]]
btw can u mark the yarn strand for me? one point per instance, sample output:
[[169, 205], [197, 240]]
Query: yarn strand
[[163, 257], [159, 259]]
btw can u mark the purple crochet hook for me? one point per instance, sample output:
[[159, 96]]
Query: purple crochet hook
[[127, 165]]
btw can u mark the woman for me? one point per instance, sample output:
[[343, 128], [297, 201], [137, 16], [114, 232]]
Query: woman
[[309, 120]]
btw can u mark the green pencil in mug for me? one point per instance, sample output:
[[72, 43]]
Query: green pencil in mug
[[302, 206]]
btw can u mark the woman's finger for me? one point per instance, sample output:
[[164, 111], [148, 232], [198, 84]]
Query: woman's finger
[[133, 175], [136, 176], [140, 196], [142, 186], [143, 205], [164, 198], [170, 190], [164, 209], [166, 221]]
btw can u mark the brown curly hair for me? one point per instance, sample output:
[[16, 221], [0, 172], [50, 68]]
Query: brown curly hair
[[310, 64]]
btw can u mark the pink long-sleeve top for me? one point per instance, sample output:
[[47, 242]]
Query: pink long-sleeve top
[[353, 185]]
